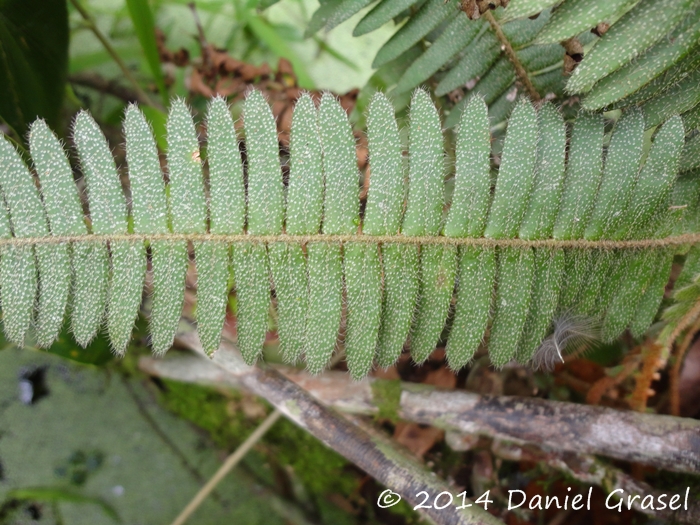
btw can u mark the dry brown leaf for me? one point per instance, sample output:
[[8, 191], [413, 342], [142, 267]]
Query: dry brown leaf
[[417, 438]]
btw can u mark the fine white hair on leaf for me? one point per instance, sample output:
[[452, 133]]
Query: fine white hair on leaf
[[572, 334]]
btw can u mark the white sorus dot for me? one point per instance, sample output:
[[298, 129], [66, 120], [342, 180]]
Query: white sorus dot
[[118, 490]]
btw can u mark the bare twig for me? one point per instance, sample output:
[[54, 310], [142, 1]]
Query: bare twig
[[90, 23], [203, 44], [510, 52], [226, 467], [111, 87], [587, 469], [661, 441], [376, 455]]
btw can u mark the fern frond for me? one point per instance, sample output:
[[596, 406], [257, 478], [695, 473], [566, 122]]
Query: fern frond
[[641, 44], [589, 235]]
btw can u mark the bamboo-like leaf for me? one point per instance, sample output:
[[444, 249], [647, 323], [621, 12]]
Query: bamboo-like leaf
[[574, 16], [386, 191], [639, 272], [144, 24], [470, 200], [401, 281], [690, 159], [455, 37], [341, 205], [65, 216], [226, 189], [265, 189], [477, 273], [423, 22], [649, 305], [18, 286], [250, 269], [516, 174], [583, 173], [654, 183], [305, 192], [633, 75], [380, 14], [325, 304], [91, 264], [525, 8], [481, 55], [364, 298], [633, 34], [426, 169], [304, 211], [679, 98], [576, 264], [546, 287], [514, 278], [438, 267], [289, 273], [541, 213], [150, 215], [619, 175]]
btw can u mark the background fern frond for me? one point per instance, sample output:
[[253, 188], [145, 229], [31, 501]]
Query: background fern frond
[[629, 51]]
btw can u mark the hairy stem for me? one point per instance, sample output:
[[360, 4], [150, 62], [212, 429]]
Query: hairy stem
[[510, 52], [674, 240]]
